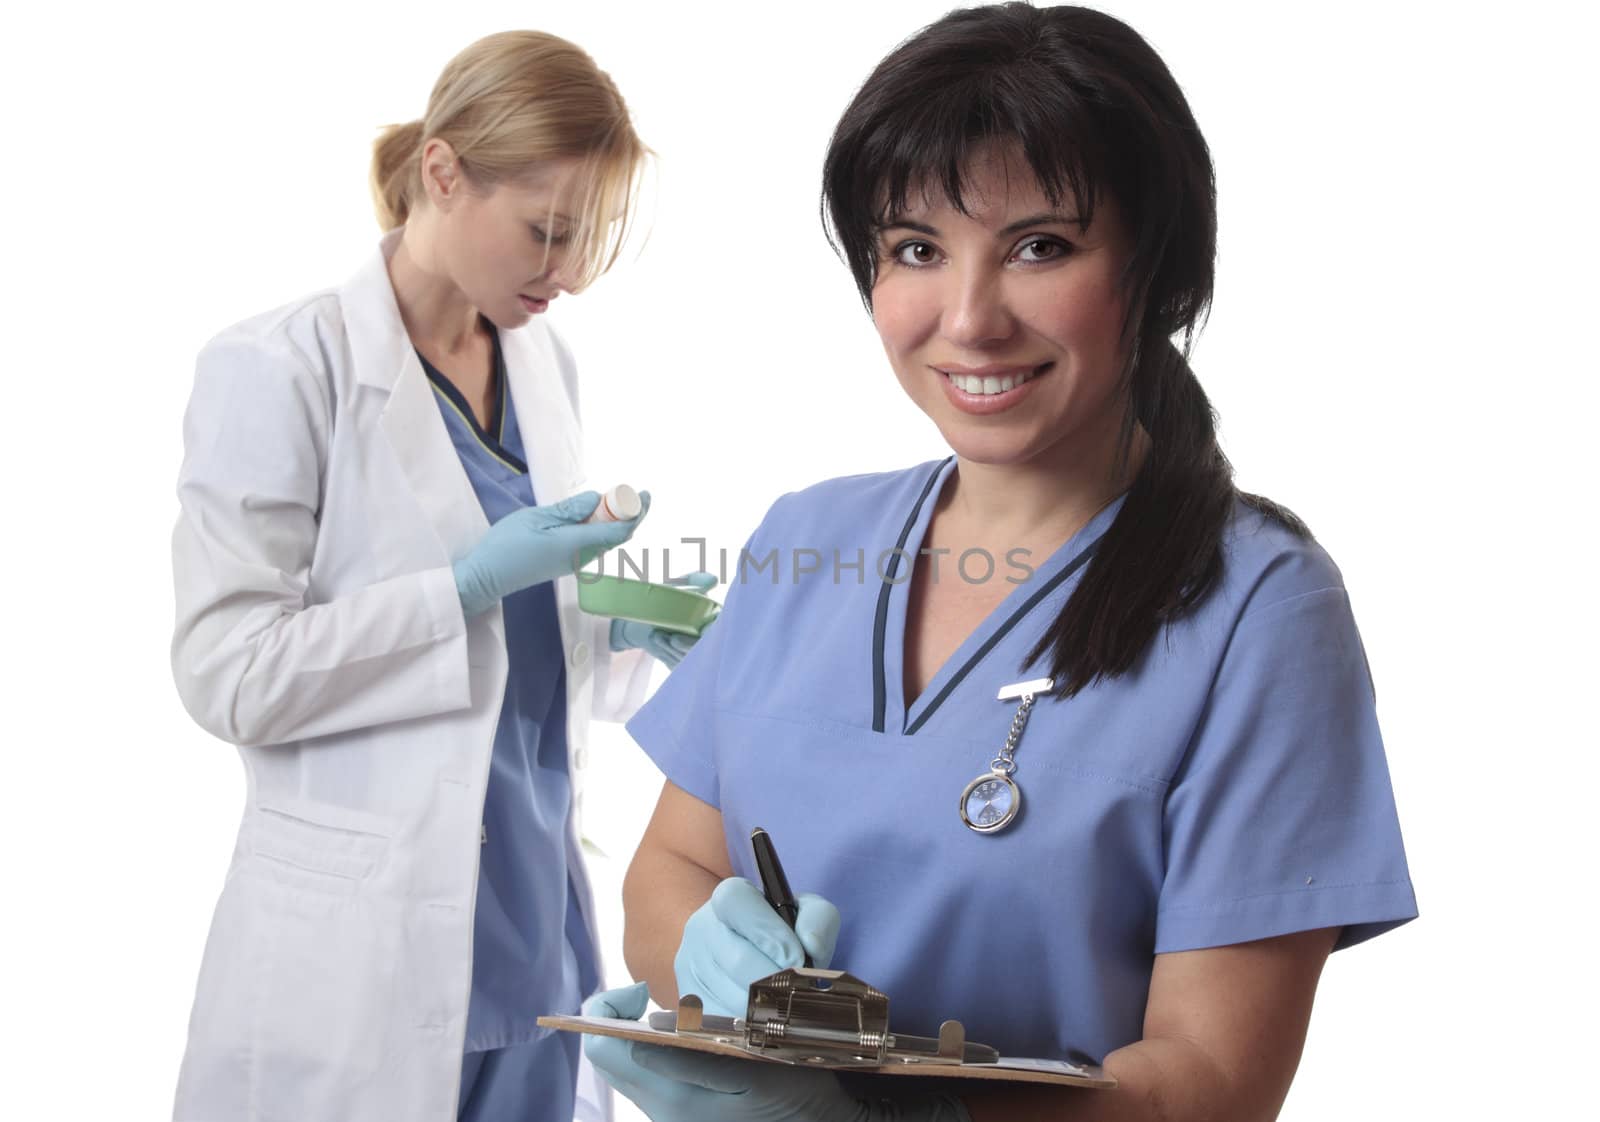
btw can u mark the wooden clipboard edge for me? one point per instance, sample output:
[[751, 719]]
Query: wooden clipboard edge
[[1097, 1079]]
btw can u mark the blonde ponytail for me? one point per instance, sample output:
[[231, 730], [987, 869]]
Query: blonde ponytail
[[394, 172]]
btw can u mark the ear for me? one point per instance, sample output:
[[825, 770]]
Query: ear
[[441, 173]]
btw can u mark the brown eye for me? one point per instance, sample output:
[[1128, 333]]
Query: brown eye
[[915, 253], [1041, 249]]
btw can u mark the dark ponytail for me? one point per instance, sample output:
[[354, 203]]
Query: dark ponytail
[[1096, 113], [1164, 551]]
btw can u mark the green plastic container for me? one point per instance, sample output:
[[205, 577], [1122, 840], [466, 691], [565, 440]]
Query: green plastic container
[[666, 606]]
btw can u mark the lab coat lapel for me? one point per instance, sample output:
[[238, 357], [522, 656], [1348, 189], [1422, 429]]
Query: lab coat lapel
[[385, 360], [544, 413], [537, 381], [431, 464]]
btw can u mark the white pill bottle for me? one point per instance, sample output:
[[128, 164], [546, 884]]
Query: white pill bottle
[[620, 504]]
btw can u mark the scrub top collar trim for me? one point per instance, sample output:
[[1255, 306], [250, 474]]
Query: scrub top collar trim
[[1000, 632], [1098, 525], [493, 438], [880, 623]]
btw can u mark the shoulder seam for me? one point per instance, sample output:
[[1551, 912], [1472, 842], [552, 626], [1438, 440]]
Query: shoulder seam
[[272, 336], [1259, 608]]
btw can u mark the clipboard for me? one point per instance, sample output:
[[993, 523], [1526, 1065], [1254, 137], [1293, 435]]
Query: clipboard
[[832, 1020]]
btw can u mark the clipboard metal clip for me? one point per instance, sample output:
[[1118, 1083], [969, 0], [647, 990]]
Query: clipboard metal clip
[[825, 1017], [818, 1011]]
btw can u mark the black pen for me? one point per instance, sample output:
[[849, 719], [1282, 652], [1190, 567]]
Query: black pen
[[774, 885]]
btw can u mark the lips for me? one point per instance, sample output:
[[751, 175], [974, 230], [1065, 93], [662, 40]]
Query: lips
[[991, 380], [990, 389], [533, 303]]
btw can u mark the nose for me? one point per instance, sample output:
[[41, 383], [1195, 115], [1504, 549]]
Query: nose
[[562, 271], [977, 312]]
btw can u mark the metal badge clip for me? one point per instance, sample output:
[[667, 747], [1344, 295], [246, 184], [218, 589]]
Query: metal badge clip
[[1023, 689]]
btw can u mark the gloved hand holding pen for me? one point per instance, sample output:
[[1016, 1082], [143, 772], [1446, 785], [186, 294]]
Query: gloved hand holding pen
[[735, 938], [536, 544]]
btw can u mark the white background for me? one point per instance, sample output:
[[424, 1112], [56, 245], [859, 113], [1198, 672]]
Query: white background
[[1399, 352]]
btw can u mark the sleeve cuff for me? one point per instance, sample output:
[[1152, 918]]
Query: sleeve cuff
[[1363, 910], [448, 622], [683, 769]]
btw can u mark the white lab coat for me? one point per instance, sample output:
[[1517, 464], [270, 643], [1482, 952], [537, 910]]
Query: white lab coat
[[318, 629]]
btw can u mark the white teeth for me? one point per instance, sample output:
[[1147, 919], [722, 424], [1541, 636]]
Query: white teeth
[[973, 384]]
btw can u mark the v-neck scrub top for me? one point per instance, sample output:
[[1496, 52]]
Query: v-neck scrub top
[[1232, 786], [531, 953]]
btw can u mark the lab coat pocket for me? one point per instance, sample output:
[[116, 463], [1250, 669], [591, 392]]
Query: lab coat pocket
[[330, 1022], [325, 848]]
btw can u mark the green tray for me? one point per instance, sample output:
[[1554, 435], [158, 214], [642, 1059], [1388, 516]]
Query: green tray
[[666, 606]]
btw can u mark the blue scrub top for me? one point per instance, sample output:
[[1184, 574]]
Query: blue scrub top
[[531, 951], [1231, 787]]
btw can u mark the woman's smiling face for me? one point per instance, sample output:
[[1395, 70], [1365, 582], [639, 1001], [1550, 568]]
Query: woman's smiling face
[[1004, 324]]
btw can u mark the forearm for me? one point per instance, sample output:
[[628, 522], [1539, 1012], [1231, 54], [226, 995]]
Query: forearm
[[1224, 1029], [1160, 1079], [660, 892]]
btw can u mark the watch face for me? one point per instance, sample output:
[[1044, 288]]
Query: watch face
[[989, 803]]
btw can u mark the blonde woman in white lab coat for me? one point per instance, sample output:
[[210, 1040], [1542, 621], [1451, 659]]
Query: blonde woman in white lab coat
[[375, 603]]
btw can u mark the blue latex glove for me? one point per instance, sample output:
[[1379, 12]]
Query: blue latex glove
[[667, 646], [735, 938], [671, 1085], [536, 544]]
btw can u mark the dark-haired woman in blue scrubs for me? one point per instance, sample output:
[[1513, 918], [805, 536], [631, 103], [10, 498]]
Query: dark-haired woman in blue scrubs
[[1074, 742]]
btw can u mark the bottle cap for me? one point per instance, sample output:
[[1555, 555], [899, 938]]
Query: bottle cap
[[623, 503]]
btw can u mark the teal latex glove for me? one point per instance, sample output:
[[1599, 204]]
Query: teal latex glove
[[735, 938], [536, 544], [667, 646], [671, 1085]]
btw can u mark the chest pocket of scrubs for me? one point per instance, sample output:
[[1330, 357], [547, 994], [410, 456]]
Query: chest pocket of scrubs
[[327, 856]]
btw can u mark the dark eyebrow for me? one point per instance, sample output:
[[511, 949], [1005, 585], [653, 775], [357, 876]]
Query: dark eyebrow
[[907, 224], [1045, 219]]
